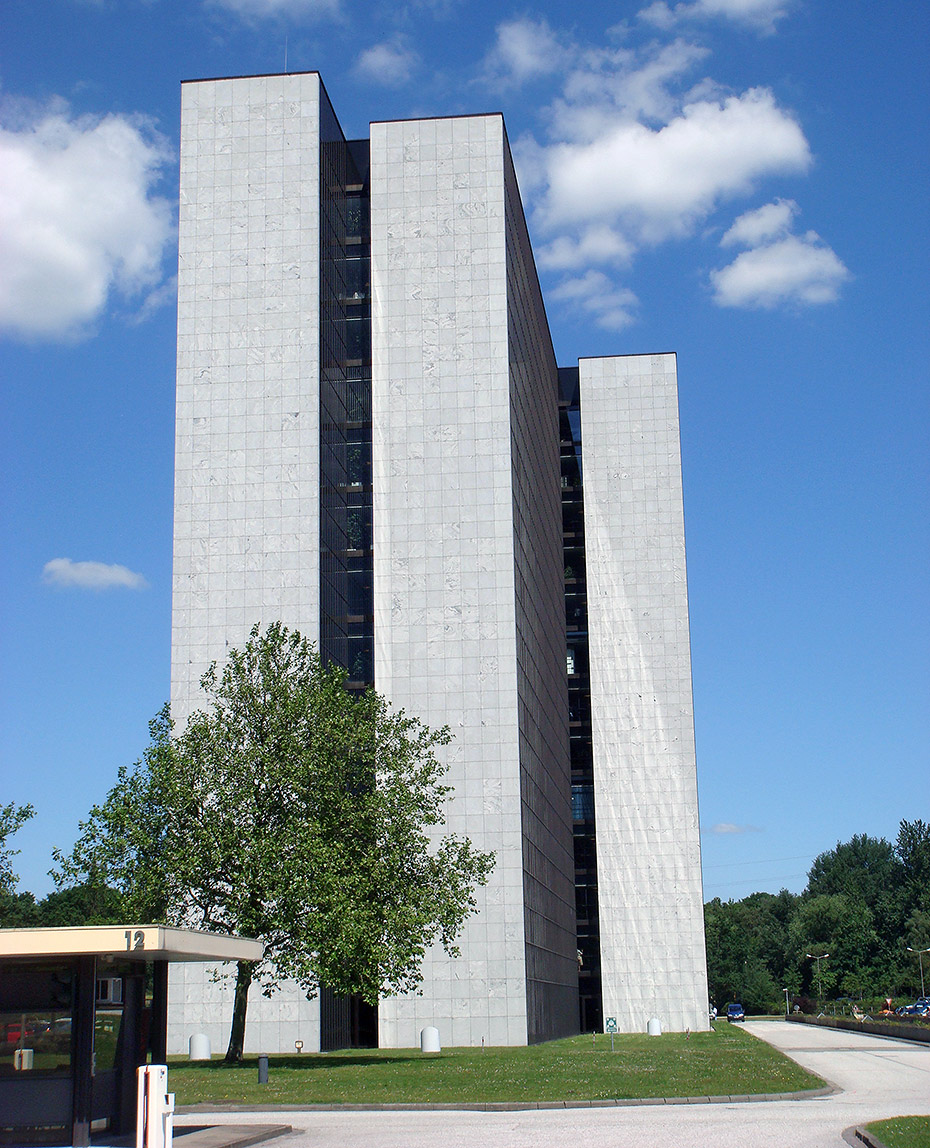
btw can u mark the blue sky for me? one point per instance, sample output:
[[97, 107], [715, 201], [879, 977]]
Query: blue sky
[[741, 181]]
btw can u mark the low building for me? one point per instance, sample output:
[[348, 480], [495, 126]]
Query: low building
[[76, 1022]]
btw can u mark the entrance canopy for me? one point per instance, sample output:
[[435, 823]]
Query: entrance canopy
[[80, 1009], [128, 943]]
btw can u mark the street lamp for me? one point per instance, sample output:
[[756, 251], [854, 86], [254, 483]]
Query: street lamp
[[822, 957], [920, 957], [785, 991]]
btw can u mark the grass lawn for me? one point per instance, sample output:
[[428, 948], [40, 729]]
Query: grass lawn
[[725, 1062], [903, 1131]]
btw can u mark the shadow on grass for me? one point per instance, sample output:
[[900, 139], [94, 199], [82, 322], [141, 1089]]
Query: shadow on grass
[[313, 1061]]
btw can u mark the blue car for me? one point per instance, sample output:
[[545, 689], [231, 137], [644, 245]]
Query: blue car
[[735, 1012]]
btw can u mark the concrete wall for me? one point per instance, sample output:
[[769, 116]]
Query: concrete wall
[[445, 630], [246, 534], [645, 786], [247, 461]]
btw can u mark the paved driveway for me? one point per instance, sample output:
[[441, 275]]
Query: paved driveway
[[877, 1077]]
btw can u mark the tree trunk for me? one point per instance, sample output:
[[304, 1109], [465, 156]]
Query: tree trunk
[[245, 970]]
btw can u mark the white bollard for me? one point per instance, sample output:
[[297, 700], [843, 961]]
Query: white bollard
[[154, 1107], [199, 1046], [654, 1027], [23, 1059], [429, 1039]]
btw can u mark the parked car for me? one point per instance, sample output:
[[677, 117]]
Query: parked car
[[735, 1012], [921, 1007]]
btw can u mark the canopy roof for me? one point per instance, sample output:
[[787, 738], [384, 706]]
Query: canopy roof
[[128, 942]]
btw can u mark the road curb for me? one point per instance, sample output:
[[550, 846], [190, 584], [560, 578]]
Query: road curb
[[910, 1032], [857, 1136]]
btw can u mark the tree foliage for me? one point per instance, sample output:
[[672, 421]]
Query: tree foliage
[[865, 901], [293, 811], [17, 910], [12, 818]]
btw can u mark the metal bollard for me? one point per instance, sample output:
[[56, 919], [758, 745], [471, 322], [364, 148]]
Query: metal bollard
[[263, 1070]]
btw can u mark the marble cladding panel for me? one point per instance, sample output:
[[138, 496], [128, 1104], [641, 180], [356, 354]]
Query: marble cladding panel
[[645, 785], [445, 629], [246, 549], [200, 1000]]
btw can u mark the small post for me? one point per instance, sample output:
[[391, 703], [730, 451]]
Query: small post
[[263, 1070], [611, 1042]]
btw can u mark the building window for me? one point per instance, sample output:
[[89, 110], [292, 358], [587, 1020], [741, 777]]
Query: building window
[[582, 803]]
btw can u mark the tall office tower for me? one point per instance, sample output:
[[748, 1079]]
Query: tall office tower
[[368, 448]]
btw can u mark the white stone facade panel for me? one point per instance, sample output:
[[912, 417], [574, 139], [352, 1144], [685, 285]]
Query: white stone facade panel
[[200, 1000], [247, 458], [645, 786], [246, 547], [445, 640]]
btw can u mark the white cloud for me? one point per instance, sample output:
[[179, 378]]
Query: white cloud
[[636, 153], [162, 296], [90, 575], [607, 85], [612, 307], [525, 50], [263, 9], [798, 269], [78, 219], [660, 182], [759, 14], [773, 221], [598, 244], [727, 829], [391, 63]]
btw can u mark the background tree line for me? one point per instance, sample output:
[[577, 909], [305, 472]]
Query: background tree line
[[866, 900], [84, 904]]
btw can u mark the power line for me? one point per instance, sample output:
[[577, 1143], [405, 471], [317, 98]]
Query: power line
[[751, 880], [761, 861]]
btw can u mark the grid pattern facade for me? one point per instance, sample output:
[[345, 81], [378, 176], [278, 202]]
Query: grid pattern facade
[[645, 784], [247, 462], [368, 449], [199, 1002], [545, 780], [247, 456], [445, 626]]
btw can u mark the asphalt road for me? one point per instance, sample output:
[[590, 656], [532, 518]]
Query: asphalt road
[[876, 1078]]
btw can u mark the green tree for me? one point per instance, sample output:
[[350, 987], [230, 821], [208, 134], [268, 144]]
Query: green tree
[[292, 811], [864, 869], [843, 927], [746, 945], [913, 851], [12, 818], [17, 910], [87, 904]]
